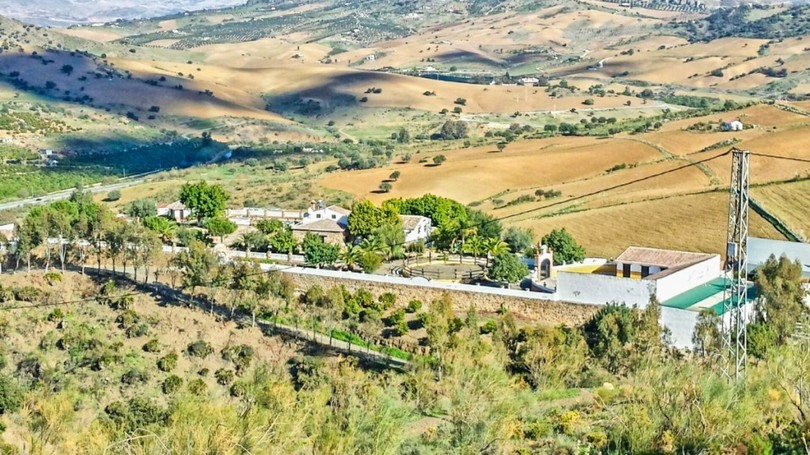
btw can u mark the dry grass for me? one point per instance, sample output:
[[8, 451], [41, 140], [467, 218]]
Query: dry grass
[[478, 173], [690, 223], [790, 202]]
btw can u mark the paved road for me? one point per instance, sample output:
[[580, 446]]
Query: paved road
[[59, 195]]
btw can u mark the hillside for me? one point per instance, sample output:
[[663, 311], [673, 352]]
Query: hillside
[[620, 90]]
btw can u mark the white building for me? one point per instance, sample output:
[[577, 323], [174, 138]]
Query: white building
[[176, 211], [318, 212], [249, 215], [684, 283], [416, 227], [735, 125]]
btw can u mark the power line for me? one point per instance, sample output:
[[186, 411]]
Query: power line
[[779, 157]]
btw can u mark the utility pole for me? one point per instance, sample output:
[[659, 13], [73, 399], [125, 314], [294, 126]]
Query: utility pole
[[735, 296]]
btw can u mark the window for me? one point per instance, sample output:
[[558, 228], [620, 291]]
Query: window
[[318, 216], [645, 271], [334, 217], [626, 270]]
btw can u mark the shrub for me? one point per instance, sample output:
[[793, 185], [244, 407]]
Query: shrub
[[55, 315], [414, 306], [241, 356], [168, 362], [137, 330], [134, 376], [136, 413], [114, 195], [199, 349], [388, 300], [172, 384], [151, 346], [396, 317], [197, 387], [11, 395], [488, 327], [224, 376], [127, 318]]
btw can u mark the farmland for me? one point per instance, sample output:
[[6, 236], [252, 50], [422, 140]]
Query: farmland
[[621, 96]]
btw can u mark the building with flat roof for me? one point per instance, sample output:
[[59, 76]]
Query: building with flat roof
[[636, 276], [684, 283]]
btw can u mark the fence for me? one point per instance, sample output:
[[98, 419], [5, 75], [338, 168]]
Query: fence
[[415, 267]]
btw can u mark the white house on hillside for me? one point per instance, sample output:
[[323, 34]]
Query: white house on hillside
[[335, 213], [416, 227]]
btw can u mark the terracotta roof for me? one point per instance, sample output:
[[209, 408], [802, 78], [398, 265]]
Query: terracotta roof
[[339, 209], [409, 222], [324, 225], [663, 258], [671, 261]]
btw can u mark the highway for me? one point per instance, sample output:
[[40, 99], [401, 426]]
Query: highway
[[64, 194]]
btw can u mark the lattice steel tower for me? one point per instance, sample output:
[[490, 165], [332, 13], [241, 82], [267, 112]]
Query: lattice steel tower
[[735, 308]]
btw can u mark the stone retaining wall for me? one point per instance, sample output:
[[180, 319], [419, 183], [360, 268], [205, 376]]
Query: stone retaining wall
[[547, 312]]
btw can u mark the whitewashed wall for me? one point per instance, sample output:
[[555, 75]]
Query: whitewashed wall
[[688, 278], [602, 289], [681, 324]]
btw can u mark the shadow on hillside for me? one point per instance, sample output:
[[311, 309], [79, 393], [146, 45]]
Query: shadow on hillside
[[461, 57], [84, 79]]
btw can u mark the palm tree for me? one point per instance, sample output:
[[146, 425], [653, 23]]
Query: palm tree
[[496, 247], [372, 245], [351, 256], [476, 246]]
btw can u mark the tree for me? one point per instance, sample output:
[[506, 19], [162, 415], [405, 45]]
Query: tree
[[385, 187], [453, 129], [367, 218], [164, 227], [220, 227], [204, 200], [394, 176], [501, 145], [283, 241], [252, 241], [781, 304], [507, 268], [403, 137], [707, 338], [141, 208], [269, 227], [392, 240], [317, 252], [519, 239], [114, 195], [67, 69], [439, 159], [196, 264], [460, 101], [566, 249], [370, 261]]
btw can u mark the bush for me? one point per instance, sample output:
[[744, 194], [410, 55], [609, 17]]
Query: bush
[[197, 387], [55, 315], [172, 384], [151, 346], [224, 376], [414, 306], [114, 195], [137, 330], [134, 377], [168, 362], [388, 300], [199, 349], [241, 356], [11, 395], [488, 327]]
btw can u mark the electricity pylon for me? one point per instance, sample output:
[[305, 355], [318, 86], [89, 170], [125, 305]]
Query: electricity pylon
[[735, 302]]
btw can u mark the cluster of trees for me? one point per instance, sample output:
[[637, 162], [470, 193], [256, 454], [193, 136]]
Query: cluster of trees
[[80, 229]]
